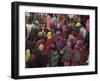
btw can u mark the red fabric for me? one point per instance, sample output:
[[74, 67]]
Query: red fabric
[[84, 55], [47, 46], [78, 37], [49, 21]]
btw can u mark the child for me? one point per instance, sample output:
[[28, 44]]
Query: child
[[53, 56], [67, 53], [84, 55], [75, 56], [42, 57], [48, 43], [59, 41]]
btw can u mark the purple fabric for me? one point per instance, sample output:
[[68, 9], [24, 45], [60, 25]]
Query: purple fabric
[[38, 43], [59, 44]]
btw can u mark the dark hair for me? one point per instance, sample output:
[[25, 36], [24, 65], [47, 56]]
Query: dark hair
[[84, 19]]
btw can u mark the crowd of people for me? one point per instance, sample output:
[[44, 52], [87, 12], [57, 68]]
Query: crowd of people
[[54, 40]]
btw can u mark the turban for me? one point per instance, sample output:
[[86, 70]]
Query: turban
[[78, 24], [49, 34], [39, 33]]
